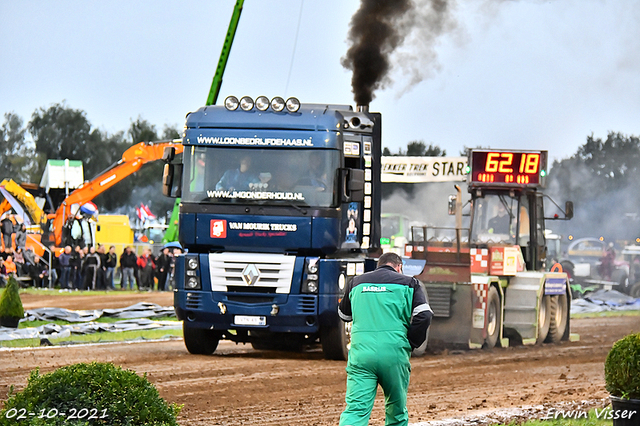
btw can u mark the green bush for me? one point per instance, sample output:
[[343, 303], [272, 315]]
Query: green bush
[[89, 394], [10, 303], [622, 368]]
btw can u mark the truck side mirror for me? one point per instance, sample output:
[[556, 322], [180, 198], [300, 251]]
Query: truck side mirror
[[452, 204], [568, 210], [169, 154], [171, 177], [352, 185]]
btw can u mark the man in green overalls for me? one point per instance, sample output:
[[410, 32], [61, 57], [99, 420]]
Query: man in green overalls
[[390, 317]]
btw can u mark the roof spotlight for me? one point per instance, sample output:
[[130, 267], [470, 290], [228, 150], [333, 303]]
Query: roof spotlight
[[293, 104], [231, 103], [277, 104], [246, 103], [262, 103]]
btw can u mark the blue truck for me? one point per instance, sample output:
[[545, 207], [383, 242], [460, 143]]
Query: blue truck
[[280, 207]]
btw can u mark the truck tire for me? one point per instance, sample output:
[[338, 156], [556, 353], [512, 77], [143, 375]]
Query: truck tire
[[559, 318], [200, 341], [494, 318], [336, 341], [544, 319]]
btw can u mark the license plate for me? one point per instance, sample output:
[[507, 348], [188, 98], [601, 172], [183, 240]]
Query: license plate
[[249, 320]]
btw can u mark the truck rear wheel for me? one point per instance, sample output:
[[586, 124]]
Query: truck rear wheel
[[200, 341], [544, 319], [494, 318], [336, 341], [559, 318]]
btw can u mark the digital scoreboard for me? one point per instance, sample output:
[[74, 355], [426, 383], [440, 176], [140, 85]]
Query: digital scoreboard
[[507, 168]]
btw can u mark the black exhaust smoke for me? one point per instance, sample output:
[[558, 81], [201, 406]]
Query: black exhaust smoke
[[378, 28]]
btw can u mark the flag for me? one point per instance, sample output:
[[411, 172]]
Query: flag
[[147, 211], [89, 208], [144, 213]]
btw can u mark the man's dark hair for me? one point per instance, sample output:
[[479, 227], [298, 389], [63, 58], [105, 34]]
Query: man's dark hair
[[389, 258]]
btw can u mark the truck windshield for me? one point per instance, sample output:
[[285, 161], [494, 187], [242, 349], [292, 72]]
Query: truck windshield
[[300, 177], [494, 219]]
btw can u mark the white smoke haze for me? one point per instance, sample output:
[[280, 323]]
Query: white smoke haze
[[428, 205], [612, 215]]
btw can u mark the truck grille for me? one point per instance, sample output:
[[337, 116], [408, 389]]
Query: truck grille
[[307, 305], [193, 300], [439, 300], [255, 272]]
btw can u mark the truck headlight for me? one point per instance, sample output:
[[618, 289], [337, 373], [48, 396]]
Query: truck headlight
[[192, 263], [246, 103], [277, 104], [312, 265], [293, 105], [310, 284], [231, 103], [192, 283], [262, 103]]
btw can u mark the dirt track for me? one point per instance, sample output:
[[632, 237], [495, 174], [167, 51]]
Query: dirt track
[[238, 385]]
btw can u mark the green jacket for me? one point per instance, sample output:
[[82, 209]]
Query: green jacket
[[387, 309]]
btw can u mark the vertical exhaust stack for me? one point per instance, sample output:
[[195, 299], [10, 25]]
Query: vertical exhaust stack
[[362, 108]]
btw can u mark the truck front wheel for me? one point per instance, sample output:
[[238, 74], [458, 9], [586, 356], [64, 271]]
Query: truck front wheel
[[200, 341], [336, 341], [559, 317]]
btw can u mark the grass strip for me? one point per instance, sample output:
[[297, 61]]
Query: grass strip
[[119, 336]]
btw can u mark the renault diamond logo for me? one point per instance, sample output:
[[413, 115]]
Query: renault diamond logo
[[251, 274]]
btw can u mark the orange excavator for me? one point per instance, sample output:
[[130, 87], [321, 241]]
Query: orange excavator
[[132, 160]]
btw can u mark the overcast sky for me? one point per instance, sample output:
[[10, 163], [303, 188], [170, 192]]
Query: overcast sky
[[523, 74]]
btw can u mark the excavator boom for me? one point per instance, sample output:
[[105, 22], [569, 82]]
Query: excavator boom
[[132, 160]]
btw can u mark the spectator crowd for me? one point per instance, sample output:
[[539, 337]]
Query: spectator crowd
[[83, 268], [91, 268]]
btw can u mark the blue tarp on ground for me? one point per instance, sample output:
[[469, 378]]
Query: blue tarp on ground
[[604, 300], [84, 321]]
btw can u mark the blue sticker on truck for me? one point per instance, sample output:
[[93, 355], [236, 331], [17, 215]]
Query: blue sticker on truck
[[555, 286]]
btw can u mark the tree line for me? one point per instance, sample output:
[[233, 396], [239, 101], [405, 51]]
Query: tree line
[[61, 132], [600, 178]]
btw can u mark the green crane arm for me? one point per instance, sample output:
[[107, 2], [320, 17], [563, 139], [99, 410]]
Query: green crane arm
[[171, 234], [224, 55]]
